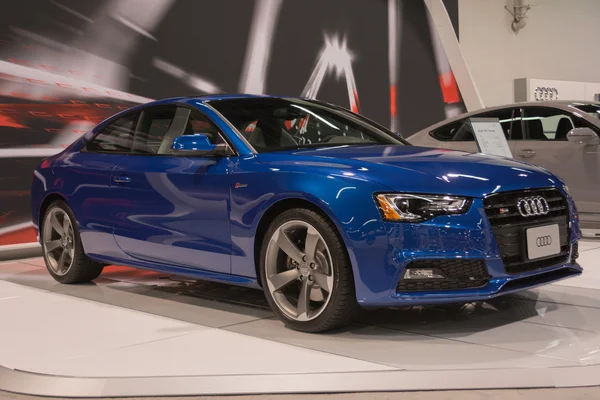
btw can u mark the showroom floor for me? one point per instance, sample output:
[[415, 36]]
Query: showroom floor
[[136, 333]]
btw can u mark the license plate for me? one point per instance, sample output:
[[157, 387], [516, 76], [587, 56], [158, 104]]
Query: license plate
[[543, 241]]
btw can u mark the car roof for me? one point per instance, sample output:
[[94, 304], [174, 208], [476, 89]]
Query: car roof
[[227, 96], [186, 99], [209, 97], [560, 104]]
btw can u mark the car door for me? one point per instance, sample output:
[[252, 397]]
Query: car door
[[86, 177], [173, 209], [545, 144]]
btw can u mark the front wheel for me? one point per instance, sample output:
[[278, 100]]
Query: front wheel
[[306, 272], [63, 252]]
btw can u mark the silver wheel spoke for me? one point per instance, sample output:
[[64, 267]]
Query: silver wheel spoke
[[52, 245], [289, 248], [323, 280], [304, 300], [58, 227], [61, 261], [66, 226], [283, 279], [312, 240]]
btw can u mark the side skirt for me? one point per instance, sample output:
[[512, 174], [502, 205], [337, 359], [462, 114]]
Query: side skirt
[[188, 272]]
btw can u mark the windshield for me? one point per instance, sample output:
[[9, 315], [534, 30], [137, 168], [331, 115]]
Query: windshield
[[273, 124], [590, 109]]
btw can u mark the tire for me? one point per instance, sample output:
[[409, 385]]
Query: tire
[[76, 267], [327, 267]]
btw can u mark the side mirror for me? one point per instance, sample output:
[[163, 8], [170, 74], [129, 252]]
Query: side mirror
[[583, 135], [193, 144]]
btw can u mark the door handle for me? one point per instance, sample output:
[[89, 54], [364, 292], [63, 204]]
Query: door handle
[[527, 153], [122, 179]]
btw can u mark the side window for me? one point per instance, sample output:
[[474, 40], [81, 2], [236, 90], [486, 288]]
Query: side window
[[445, 133], [198, 123], [162, 126], [545, 123], [116, 137], [459, 131], [510, 120], [152, 129]]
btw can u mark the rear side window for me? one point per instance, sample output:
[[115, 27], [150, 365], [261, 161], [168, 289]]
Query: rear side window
[[116, 137], [510, 120], [459, 131]]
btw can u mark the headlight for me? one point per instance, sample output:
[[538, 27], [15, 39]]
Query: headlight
[[402, 207], [566, 189]]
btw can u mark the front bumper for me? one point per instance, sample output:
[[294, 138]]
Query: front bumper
[[460, 237], [496, 286]]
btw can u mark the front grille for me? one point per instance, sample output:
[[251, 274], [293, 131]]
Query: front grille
[[459, 273], [510, 226]]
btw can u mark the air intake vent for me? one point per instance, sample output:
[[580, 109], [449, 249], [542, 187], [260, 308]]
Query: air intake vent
[[459, 274]]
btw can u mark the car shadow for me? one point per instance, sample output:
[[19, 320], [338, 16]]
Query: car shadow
[[456, 320], [200, 302]]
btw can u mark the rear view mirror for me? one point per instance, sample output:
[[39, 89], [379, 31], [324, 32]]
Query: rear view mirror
[[196, 144], [583, 135]]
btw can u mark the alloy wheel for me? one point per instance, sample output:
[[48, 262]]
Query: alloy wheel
[[299, 270], [58, 241]]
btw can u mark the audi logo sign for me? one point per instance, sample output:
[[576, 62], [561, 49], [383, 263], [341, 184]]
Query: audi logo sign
[[543, 241], [545, 93], [533, 206]]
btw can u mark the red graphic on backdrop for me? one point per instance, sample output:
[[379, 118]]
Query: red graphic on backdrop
[[10, 122]]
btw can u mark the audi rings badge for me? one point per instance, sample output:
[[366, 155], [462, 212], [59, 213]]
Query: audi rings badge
[[545, 93], [533, 206], [543, 241]]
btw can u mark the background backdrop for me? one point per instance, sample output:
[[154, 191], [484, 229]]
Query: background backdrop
[[65, 65]]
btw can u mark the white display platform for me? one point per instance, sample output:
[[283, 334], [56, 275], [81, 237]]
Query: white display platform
[[137, 333]]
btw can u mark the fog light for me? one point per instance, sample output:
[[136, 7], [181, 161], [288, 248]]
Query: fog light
[[423, 273]]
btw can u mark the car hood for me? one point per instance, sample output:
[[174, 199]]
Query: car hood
[[418, 169]]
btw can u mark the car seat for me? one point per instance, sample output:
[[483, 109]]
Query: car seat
[[563, 128], [536, 130]]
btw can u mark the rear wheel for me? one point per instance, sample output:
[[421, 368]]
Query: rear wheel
[[306, 273], [63, 251]]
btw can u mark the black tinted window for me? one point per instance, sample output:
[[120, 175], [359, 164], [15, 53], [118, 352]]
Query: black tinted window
[[116, 137]]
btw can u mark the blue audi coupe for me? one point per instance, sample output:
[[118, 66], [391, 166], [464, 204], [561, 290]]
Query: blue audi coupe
[[323, 209]]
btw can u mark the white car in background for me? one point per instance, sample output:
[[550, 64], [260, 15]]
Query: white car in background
[[560, 136]]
